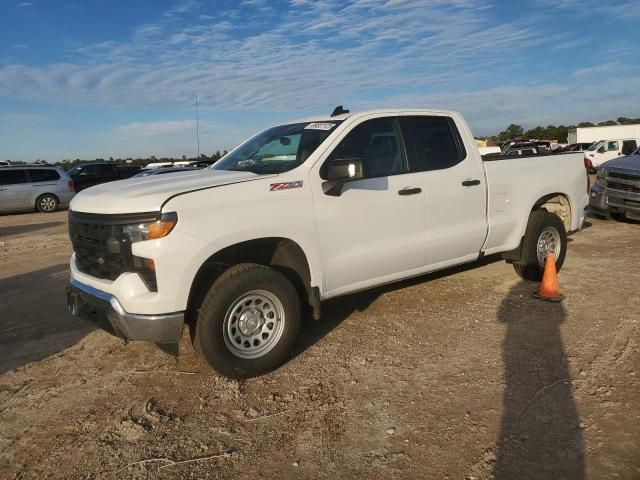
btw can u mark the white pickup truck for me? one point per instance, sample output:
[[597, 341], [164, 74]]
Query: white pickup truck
[[303, 212]]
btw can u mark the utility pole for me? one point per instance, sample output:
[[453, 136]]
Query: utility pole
[[197, 128]]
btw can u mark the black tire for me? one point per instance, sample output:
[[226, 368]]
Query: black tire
[[47, 203], [529, 266], [210, 339]]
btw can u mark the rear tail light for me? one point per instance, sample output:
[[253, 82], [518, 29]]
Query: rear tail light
[[587, 163], [70, 186]]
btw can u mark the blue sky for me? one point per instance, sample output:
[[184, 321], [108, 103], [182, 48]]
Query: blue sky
[[99, 78]]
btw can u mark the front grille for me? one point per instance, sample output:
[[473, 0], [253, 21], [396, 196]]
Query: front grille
[[623, 181], [623, 187], [623, 176], [101, 248]]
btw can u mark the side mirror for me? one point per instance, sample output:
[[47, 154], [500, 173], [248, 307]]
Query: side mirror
[[342, 170], [601, 149]]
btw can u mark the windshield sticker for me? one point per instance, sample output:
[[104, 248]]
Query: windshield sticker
[[320, 126], [286, 185]]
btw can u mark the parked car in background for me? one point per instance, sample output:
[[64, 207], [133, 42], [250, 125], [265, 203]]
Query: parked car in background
[[616, 191], [490, 150], [201, 163], [605, 150], [158, 165], [34, 188], [518, 152], [4, 164], [89, 174], [577, 147], [162, 171]]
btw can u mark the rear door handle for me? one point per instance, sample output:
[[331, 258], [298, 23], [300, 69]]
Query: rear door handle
[[409, 191], [470, 183]]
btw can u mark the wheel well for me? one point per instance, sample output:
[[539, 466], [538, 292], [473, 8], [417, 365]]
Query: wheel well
[[46, 193], [282, 254], [558, 204]]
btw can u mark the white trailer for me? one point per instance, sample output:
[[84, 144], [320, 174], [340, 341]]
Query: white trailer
[[593, 134]]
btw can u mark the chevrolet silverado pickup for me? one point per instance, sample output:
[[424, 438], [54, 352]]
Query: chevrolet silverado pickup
[[616, 191], [303, 212]]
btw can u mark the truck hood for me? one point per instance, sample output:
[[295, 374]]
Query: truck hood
[[630, 162], [147, 194]]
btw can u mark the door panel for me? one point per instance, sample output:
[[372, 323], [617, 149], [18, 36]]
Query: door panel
[[455, 190], [456, 214], [15, 192], [371, 231]]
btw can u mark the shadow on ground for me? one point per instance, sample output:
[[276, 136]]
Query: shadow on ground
[[21, 229], [335, 311], [34, 321], [540, 436]]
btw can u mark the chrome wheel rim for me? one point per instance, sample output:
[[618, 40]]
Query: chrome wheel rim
[[47, 204], [253, 324], [548, 242]]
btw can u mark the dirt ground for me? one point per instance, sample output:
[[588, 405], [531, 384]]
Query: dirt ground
[[457, 375]]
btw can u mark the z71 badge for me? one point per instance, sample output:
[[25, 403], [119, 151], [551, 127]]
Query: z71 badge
[[286, 185]]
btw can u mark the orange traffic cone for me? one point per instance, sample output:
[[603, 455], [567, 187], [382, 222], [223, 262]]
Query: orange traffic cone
[[549, 288]]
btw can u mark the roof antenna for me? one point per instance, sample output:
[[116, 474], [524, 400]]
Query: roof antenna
[[339, 111], [197, 127]]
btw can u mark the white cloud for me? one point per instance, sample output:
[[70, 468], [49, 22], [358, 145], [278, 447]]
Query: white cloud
[[313, 55], [603, 68], [153, 129], [25, 5], [617, 11], [307, 56], [532, 105]]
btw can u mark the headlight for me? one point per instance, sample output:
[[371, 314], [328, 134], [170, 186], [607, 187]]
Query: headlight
[[601, 176], [151, 230]]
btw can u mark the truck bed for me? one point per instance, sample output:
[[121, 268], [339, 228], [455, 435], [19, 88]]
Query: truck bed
[[513, 181]]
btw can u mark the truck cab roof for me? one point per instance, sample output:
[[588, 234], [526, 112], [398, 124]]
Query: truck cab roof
[[380, 111]]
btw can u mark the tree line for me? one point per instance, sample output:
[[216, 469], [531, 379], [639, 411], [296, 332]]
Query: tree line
[[552, 132]]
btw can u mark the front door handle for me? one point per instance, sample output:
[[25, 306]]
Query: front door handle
[[409, 191], [470, 183]]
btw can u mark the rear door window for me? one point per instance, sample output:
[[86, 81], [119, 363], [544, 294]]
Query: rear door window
[[12, 177], [436, 141], [628, 146], [44, 175]]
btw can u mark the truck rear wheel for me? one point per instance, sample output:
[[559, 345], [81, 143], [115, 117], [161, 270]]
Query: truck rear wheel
[[248, 322], [545, 234]]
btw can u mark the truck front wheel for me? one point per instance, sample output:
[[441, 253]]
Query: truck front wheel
[[248, 322], [545, 234]]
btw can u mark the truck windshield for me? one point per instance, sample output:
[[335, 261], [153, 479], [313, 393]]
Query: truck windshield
[[595, 145], [278, 149]]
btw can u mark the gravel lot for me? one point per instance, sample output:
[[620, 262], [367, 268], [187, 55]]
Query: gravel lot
[[455, 375]]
